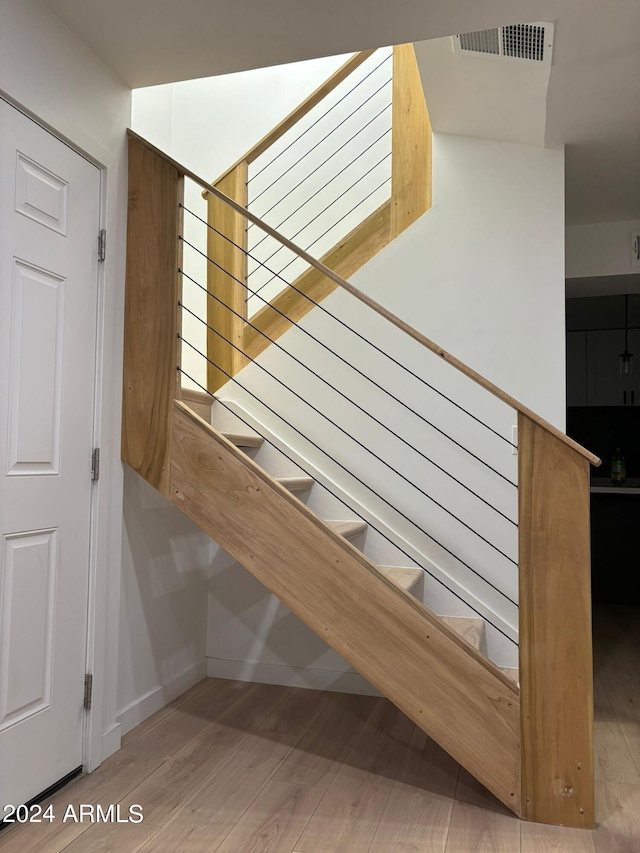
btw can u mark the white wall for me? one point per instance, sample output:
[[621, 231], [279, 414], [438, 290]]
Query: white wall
[[603, 249], [482, 274], [165, 565], [48, 72]]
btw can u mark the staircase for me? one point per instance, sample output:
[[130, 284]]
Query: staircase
[[408, 578], [530, 743]]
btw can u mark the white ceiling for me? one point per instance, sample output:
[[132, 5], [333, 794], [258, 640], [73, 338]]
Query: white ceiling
[[593, 100], [486, 96]]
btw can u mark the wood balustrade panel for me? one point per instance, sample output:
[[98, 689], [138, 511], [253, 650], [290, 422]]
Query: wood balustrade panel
[[353, 252], [556, 668], [442, 683], [227, 280], [150, 322], [410, 143]]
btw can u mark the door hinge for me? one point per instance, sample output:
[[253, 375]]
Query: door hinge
[[102, 244], [88, 691], [95, 464]]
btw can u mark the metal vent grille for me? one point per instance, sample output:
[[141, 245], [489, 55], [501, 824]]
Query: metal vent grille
[[532, 42], [524, 41], [482, 41]]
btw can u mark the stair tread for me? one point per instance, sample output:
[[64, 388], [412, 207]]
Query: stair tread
[[241, 439], [296, 484], [470, 628], [348, 529], [406, 577]]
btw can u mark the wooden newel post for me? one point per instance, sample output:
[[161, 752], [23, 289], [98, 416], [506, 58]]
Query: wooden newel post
[[151, 321], [226, 281], [556, 668], [410, 142]]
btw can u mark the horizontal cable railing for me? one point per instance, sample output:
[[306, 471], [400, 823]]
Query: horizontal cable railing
[[363, 446], [357, 510], [356, 405], [324, 176], [199, 320], [334, 317]]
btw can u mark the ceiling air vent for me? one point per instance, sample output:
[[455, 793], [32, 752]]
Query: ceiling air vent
[[532, 42], [482, 41]]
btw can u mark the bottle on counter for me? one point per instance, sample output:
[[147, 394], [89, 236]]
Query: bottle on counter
[[618, 468]]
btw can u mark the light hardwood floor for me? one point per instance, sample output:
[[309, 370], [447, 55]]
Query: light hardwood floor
[[242, 768]]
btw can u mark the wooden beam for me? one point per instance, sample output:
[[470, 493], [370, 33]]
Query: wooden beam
[[410, 142], [226, 287], [150, 321], [430, 673], [556, 669], [353, 252]]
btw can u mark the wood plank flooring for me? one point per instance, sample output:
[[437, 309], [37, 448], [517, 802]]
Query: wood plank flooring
[[246, 768]]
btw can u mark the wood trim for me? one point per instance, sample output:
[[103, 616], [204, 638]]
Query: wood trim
[[431, 674], [556, 668], [226, 288], [375, 306], [358, 247], [302, 109], [151, 296], [410, 142], [198, 401]]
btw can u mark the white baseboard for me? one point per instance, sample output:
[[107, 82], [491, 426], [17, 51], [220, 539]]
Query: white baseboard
[[138, 711], [111, 740], [290, 676]]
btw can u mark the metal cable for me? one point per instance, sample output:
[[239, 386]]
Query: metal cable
[[368, 378], [266, 166], [356, 441], [331, 203], [343, 501], [337, 175], [324, 138], [366, 340], [331, 227], [298, 138], [324, 163], [364, 375], [344, 396], [351, 474]]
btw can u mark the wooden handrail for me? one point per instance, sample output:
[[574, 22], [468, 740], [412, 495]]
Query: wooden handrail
[[375, 306], [301, 110]]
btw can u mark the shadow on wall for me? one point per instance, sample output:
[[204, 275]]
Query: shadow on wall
[[258, 638], [165, 567]]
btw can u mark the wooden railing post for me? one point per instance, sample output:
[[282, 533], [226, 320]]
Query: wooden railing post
[[227, 288], [410, 143], [556, 670], [151, 313]]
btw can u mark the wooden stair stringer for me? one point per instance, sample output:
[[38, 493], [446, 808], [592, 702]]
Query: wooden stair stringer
[[446, 687]]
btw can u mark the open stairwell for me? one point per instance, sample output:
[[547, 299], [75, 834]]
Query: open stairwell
[[526, 735]]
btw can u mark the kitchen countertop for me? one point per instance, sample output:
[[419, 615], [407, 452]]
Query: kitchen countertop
[[604, 486]]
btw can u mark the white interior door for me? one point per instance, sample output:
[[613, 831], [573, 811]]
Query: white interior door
[[49, 221]]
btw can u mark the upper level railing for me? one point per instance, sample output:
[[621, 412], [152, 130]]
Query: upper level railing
[[551, 566], [342, 175]]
